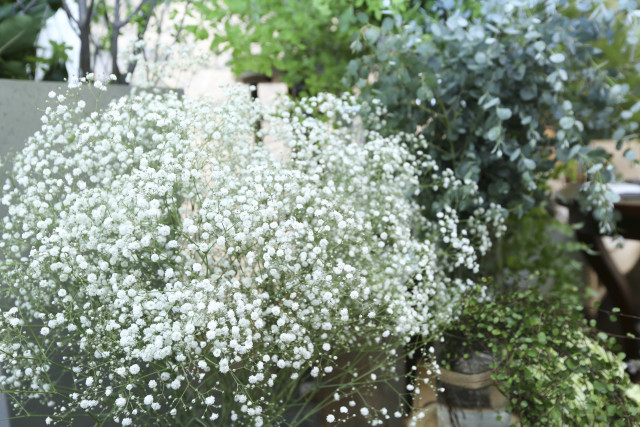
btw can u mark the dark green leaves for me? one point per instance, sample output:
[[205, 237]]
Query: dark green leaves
[[552, 368], [19, 29]]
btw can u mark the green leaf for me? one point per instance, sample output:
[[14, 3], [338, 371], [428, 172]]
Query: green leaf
[[17, 34], [504, 113], [529, 164], [599, 387], [618, 134], [539, 45], [201, 34], [557, 58], [528, 93], [567, 122], [372, 34], [387, 24], [480, 57], [574, 150], [494, 133], [595, 168], [612, 197], [492, 102], [542, 338]]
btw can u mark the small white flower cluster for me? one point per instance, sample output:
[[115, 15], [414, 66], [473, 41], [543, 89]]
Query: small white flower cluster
[[178, 269]]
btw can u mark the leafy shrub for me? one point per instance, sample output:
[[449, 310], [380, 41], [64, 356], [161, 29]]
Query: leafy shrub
[[505, 96], [549, 361], [307, 43], [553, 368]]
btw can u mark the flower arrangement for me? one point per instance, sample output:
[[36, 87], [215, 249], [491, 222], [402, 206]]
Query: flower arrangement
[[170, 268]]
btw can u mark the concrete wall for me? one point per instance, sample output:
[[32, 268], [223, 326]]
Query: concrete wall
[[22, 103]]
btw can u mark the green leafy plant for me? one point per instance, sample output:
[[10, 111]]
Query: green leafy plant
[[504, 96], [307, 43], [552, 366], [20, 24], [539, 246], [549, 361], [621, 52], [55, 67]]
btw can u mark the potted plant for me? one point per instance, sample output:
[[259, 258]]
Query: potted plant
[[549, 365]]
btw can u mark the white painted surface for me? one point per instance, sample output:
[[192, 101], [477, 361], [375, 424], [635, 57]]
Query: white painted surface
[[58, 29]]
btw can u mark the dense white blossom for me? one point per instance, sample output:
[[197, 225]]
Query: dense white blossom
[[178, 267]]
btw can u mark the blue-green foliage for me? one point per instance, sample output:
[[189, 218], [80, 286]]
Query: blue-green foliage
[[505, 95]]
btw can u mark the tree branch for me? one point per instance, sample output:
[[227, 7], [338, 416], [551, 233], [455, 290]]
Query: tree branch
[[65, 6], [115, 30], [137, 9], [181, 25], [82, 13], [147, 18]]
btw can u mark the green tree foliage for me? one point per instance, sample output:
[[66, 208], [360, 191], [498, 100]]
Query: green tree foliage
[[306, 42]]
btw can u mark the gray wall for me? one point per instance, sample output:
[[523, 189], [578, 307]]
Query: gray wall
[[22, 103]]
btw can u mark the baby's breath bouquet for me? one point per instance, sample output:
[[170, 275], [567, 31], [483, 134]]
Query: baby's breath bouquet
[[162, 265]]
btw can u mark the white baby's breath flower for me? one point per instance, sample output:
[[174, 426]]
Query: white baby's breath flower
[[167, 252]]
